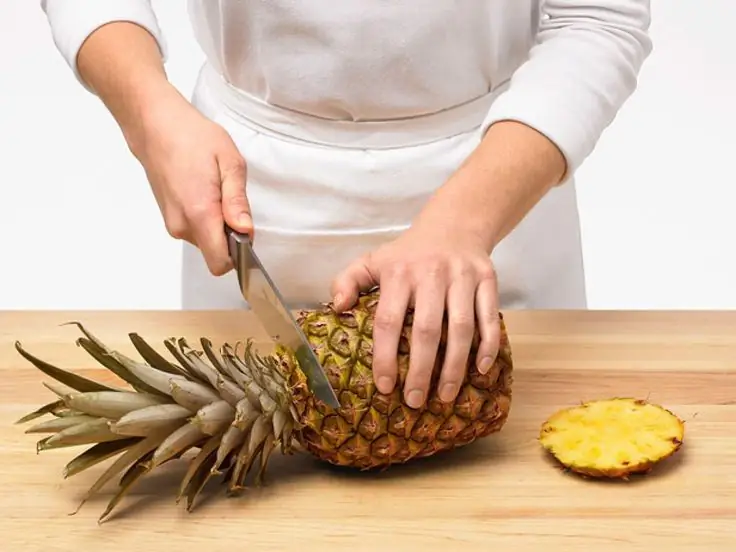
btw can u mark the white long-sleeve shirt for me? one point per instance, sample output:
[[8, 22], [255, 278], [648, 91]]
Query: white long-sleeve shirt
[[572, 64]]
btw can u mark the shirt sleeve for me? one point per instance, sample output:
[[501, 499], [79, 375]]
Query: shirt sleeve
[[72, 21], [583, 67]]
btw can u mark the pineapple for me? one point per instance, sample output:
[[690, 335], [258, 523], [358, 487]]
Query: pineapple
[[612, 438], [233, 409]]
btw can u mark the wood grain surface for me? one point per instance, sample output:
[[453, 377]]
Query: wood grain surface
[[501, 493]]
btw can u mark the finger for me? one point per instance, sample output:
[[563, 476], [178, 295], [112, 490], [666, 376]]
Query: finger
[[460, 329], [207, 227], [388, 324], [426, 331], [235, 206], [489, 327], [176, 224], [350, 282]]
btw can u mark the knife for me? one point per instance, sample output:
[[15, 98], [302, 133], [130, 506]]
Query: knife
[[269, 306]]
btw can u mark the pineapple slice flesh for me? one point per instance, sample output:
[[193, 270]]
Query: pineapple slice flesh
[[612, 437]]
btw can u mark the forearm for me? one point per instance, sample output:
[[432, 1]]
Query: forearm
[[508, 173], [579, 74], [122, 64]]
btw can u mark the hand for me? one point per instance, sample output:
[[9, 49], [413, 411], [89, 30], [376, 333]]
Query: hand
[[197, 176], [438, 272]]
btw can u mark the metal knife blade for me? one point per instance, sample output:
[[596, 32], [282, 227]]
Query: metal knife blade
[[264, 298]]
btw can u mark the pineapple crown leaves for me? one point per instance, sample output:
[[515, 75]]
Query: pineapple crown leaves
[[235, 409]]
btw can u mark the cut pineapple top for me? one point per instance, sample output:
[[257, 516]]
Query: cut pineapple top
[[612, 437]]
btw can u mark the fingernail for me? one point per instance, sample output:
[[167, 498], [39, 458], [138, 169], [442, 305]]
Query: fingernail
[[385, 384], [447, 393], [339, 298], [485, 365], [244, 219], [415, 398]]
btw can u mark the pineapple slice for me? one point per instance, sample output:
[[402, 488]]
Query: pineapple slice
[[613, 437]]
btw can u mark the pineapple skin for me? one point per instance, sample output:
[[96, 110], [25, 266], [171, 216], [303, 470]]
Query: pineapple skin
[[375, 430], [655, 435]]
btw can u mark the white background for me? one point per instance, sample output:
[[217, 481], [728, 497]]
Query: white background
[[79, 228]]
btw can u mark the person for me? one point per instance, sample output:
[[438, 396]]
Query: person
[[428, 148]]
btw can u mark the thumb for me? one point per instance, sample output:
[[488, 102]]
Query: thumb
[[350, 282], [235, 206]]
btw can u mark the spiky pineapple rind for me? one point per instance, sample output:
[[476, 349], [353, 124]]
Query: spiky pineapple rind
[[372, 430], [622, 451]]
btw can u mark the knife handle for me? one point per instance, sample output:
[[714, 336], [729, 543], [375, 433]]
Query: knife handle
[[239, 236], [236, 241]]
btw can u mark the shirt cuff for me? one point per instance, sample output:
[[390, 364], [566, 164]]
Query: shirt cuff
[[583, 68], [73, 21]]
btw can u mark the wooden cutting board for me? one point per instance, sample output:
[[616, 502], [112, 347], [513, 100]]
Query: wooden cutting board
[[499, 494]]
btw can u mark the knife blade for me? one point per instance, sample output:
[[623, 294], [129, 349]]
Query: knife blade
[[260, 292]]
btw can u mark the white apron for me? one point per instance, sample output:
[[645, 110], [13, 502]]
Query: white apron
[[323, 192]]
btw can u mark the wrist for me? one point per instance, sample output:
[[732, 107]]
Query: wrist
[[452, 211], [150, 105], [508, 173]]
